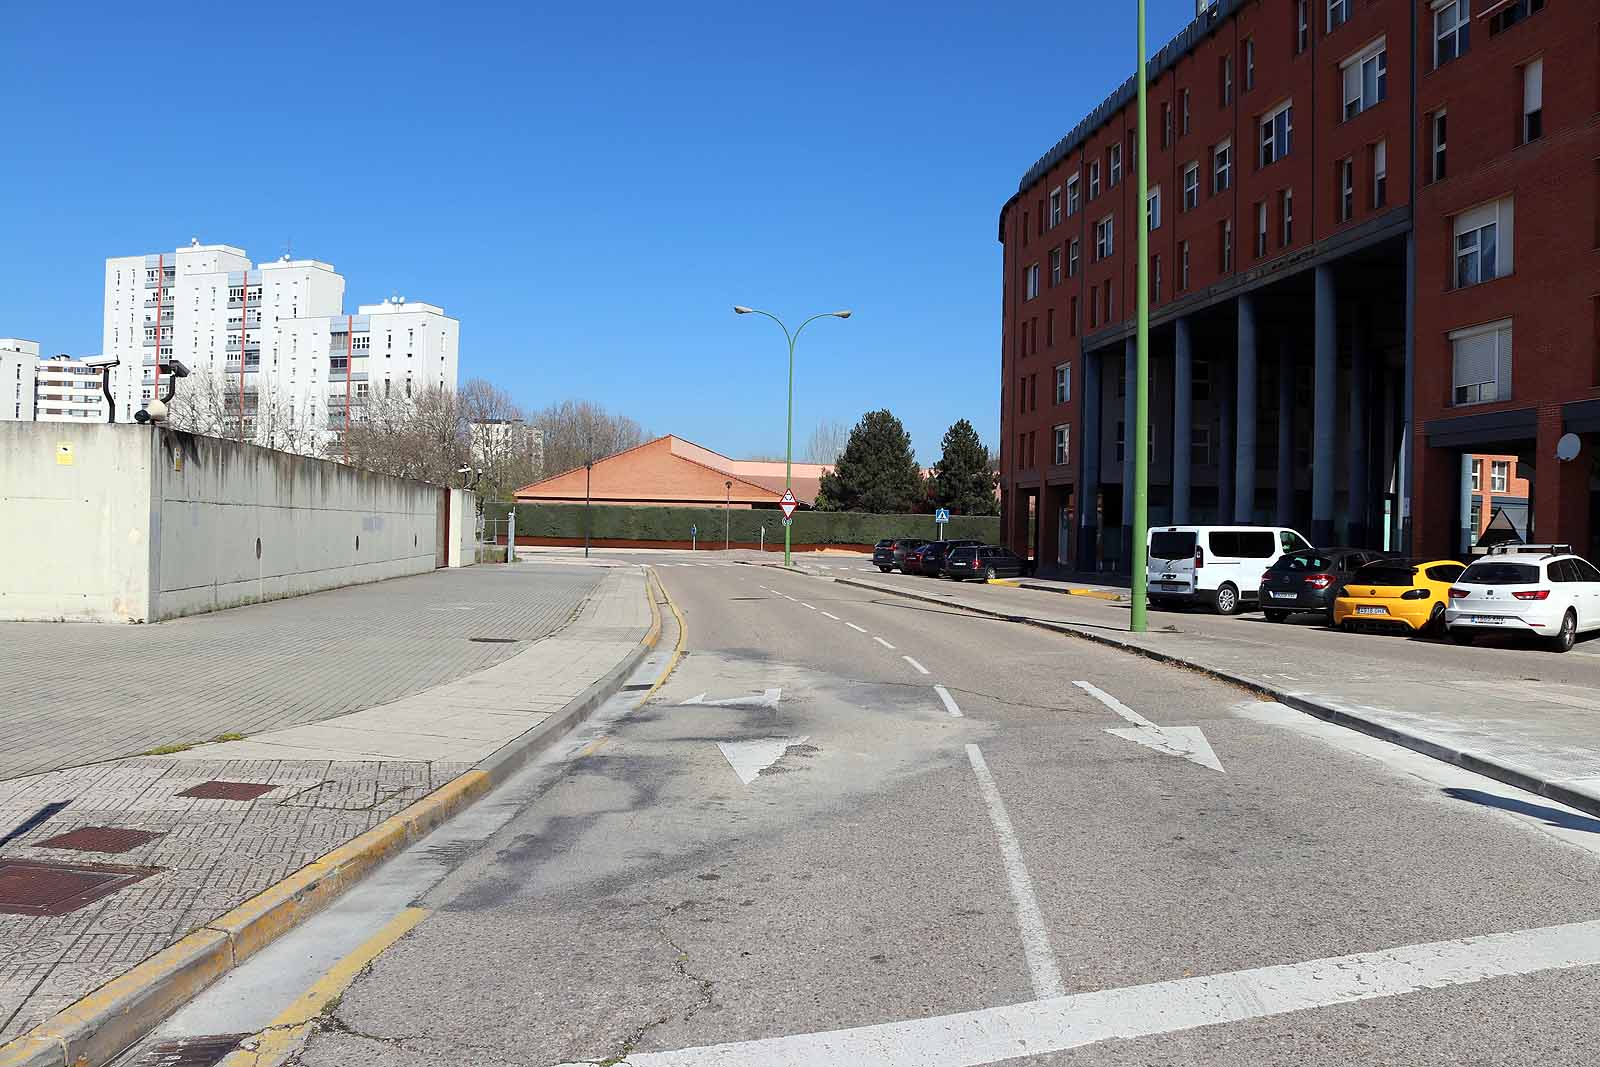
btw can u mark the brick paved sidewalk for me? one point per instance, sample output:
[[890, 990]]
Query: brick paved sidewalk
[[196, 858]]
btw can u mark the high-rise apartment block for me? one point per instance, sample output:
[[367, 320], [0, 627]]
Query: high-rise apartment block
[[19, 361], [34, 388]]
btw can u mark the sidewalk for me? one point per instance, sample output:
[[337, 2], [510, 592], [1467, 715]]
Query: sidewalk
[[164, 846], [1517, 714]]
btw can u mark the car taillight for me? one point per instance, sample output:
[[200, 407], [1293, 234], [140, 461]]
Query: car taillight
[[1457, 594], [1199, 557], [1319, 581], [1264, 576], [1414, 594], [1532, 594]]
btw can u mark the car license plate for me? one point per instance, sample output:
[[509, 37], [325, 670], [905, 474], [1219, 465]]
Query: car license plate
[[1283, 596], [1172, 585], [1489, 620], [1372, 611]]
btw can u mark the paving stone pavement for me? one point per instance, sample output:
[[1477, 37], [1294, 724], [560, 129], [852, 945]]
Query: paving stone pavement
[[74, 694], [214, 854]]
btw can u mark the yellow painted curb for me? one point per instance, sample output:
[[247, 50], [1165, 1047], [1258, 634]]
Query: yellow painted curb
[[1002, 581], [32, 1052], [677, 651], [1098, 594]]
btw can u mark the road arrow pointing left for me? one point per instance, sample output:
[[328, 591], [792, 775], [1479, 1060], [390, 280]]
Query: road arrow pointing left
[[1186, 742], [768, 699]]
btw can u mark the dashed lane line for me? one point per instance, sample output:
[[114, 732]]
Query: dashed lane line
[[882, 642], [949, 701], [857, 629], [919, 667]]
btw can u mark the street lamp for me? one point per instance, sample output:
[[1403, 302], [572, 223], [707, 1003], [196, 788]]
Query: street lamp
[[588, 520], [727, 495], [1141, 379], [788, 455]]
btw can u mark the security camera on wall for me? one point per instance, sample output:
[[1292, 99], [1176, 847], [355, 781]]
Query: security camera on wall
[[101, 362]]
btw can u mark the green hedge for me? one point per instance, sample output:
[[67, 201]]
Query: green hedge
[[672, 524]]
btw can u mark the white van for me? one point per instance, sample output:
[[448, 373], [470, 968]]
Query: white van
[[1216, 565]]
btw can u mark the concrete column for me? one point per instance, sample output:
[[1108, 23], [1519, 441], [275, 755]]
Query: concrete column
[[1284, 497], [1465, 534], [1088, 446], [1357, 534], [1182, 420], [1225, 463], [1244, 478], [1130, 360], [1324, 432]]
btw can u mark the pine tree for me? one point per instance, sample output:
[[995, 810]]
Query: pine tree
[[876, 472], [961, 479]]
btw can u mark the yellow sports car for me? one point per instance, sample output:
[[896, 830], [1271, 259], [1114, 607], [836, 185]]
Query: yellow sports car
[[1398, 592]]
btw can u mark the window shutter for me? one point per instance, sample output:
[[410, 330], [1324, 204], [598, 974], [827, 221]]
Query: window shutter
[[1533, 86], [1476, 218], [1475, 359], [1502, 375]]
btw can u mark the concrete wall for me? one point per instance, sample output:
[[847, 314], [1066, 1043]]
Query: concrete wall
[[463, 528], [136, 524]]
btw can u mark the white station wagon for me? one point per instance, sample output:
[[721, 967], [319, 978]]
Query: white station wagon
[[1531, 589]]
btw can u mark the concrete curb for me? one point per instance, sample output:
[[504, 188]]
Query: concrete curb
[[101, 1025], [1572, 796]]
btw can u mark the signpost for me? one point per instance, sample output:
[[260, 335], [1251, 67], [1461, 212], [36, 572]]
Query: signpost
[[788, 504], [940, 517], [694, 536]]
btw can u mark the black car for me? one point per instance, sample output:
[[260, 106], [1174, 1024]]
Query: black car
[[902, 545], [931, 559], [982, 561], [1311, 580], [883, 555]]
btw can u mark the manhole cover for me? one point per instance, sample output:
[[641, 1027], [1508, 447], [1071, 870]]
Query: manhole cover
[[191, 1051], [494, 640], [218, 790], [29, 887], [101, 839]]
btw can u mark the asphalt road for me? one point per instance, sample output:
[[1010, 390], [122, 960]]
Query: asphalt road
[[801, 851]]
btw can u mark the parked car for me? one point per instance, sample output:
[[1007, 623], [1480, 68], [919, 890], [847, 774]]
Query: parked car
[[1310, 581], [911, 562], [1219, 566], [1540, 589], [983, 561], [930, 559], [1398, 592], [903, 548], [883, 555]]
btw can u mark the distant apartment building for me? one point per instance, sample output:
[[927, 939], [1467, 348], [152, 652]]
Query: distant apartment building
[[35, 388], [494, 440], [274, 330], [1496, 488], [19, 360]]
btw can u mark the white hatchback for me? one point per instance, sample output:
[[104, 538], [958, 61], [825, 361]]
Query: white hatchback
[[1539, 589]]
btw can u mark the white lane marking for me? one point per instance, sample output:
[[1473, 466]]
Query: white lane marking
[[812, 607], [949, 701], [992, 1035], [857, 629], [708, 564], [1185, 742], [768, 699], [749, 758], [1035, 940], [1114, 704], [830, 615], [920, 668], [882, 642]]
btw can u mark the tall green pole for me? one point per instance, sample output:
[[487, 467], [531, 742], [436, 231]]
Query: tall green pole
[[1141, 378]]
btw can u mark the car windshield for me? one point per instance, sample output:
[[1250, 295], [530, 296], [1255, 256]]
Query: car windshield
[[1170, 544], [885, 543], [1303, 561], [1500, 573], [1385, 572]]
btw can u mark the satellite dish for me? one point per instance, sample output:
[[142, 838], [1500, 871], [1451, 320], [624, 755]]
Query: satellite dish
[[1568, 447]]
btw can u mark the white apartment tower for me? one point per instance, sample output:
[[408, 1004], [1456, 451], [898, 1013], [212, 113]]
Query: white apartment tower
[[19, 360]]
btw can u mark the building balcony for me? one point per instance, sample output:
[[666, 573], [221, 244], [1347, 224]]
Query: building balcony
[[238, 301], [171, 280], [358, 376]]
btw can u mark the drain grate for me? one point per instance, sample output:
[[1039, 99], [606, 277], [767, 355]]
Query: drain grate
[[30, 887], [102, 839], [494, 640], [191, 1051], [220, 790]]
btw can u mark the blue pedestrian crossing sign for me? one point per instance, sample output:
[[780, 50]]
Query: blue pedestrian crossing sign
[[941, 516]]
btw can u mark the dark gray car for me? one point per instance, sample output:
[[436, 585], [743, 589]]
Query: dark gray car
[[982, 561]]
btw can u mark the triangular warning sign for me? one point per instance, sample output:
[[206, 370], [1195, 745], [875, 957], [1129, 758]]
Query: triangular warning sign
[[788, 503], [1500, 531]]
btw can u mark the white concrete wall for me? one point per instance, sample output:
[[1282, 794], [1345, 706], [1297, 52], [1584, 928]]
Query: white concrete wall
[[139, 524], [463, 528]]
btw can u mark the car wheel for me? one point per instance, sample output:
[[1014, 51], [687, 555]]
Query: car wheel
[[1227, 599], [1276, 616], [1348, 626], [1568, 634], [886, 570], [1462, 637], [1435, 623], [988, 572]]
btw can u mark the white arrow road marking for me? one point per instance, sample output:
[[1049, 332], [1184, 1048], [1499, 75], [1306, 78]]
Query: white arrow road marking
[[1185, 741], [749, 758], [992, 1035], [768, 699], [920, 668], [949, 701]]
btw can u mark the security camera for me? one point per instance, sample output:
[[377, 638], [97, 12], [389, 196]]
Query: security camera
[[101, 362], [176, 369], [463, 470]]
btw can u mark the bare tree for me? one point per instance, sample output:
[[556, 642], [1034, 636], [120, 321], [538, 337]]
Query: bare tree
[[505, 446], [827, 441], [579, 431], [421, 436], [208, 403]]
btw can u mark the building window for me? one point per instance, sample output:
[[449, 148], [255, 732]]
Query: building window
[[1073, 324], [1366, 79], [1114, 155], [1451, 22], [1050, 328], [1221, 167], [1104, 244], [1055, 267], [1072, 195], [1477, 475], [1477, 515], [1483, 243], [1055, 208], [1482, 363], [1277, 133], [1439, 171], [1063, 383], [1152, 208], [1338, 14], [1286, 218], [1512, 14], [1499, 476], [1347, 189], [1166, 124], [1033, 282], [1024, 244], [1225, 79], [1094, 307], [1380, 174], [1111, 302], [1040, 216], [1094, 178], [1072, 258], [1249, 63], [1302, 19], [1225, 244], [1061, 443], [1183, 266], [1155, 279], [1022, 394], [1201, 379], [1200, 444], [1191, 186], [1185, 127], [1261, 228], [1532, 101]]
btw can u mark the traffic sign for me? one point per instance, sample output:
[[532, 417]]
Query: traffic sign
[[787, 521], [788, 504], [941, 516]]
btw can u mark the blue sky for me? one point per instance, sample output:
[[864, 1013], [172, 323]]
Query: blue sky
[[589, 194]]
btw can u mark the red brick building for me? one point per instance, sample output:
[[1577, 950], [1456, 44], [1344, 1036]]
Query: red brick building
[[1369, 234]]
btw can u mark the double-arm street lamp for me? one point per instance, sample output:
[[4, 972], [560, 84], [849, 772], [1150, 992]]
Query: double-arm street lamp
[[788, 455]]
